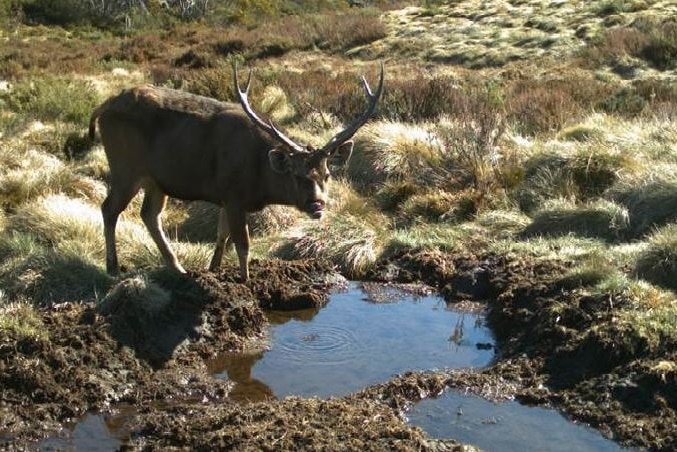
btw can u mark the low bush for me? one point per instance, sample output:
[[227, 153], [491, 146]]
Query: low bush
[[54, 99], [536, 106]]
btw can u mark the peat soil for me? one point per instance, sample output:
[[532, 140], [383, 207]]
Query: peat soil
[[146, 345]]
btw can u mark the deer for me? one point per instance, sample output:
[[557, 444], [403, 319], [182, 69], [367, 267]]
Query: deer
[[171, 143]]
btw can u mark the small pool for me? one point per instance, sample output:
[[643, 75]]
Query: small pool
[[504, 427], [355, 342]]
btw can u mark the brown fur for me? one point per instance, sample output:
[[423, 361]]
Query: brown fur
[[173, 143]]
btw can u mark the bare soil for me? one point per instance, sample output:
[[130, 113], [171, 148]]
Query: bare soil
[[557, 347]]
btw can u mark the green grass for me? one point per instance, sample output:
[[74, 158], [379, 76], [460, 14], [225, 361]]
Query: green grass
[[658, 263], [21, 321], [604, 220]]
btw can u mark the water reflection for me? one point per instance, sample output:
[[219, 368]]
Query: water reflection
[[506, 426], [237, 367], [356, 341]]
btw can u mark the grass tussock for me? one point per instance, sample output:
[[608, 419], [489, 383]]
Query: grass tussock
[[138, 291], [391, 151], [350, 242], [65, 224], [658, 263], [202, 218], [650, 204], [21, 321], [583, 176], [29, 174], [603, 219]]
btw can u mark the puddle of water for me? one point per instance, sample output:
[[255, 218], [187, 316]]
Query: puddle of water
[[353, 343], [93, 432], [504, 427]]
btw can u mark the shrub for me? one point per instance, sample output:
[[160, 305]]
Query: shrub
[[546, 105], [624, 101], [660, 50], [54, 99]]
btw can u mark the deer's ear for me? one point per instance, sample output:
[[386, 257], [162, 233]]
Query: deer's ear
[[342, 154], [279, 161]]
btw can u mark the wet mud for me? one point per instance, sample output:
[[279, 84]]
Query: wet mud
[[557, 347]]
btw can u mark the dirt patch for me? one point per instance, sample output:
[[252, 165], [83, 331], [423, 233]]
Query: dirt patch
[[289, 424]]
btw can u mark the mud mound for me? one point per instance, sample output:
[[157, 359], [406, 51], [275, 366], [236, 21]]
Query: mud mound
[[146, 341], [290, 424], [165, 315], [293, 285]]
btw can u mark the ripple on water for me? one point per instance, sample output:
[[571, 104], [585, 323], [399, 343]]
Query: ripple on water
[[323, 345], [353, 343]]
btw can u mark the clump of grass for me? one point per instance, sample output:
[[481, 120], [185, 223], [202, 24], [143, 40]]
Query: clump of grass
[[583, 176], [139, 291], [392, 151], [650, 204], [54, 99], [391, 194], [546, 177], [431, 206], [441, 236], [27, 175], [581, 132], [593, 171], [350, 242], [42, 274], [592, 272], [502, 224], [72, 225], [21, 321], [202, 218], [658, 263], [602, 219]]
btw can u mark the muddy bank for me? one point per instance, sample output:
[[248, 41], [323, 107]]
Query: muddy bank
[[146, 341], [558, 346], [289, 424], [149, 338]]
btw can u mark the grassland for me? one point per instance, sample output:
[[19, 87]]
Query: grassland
[[537, 130]]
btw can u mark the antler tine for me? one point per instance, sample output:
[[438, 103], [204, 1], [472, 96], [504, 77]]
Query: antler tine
[[349, 131], [268, 127]]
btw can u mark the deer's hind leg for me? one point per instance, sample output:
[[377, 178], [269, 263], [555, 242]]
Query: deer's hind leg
[[154, 202]]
